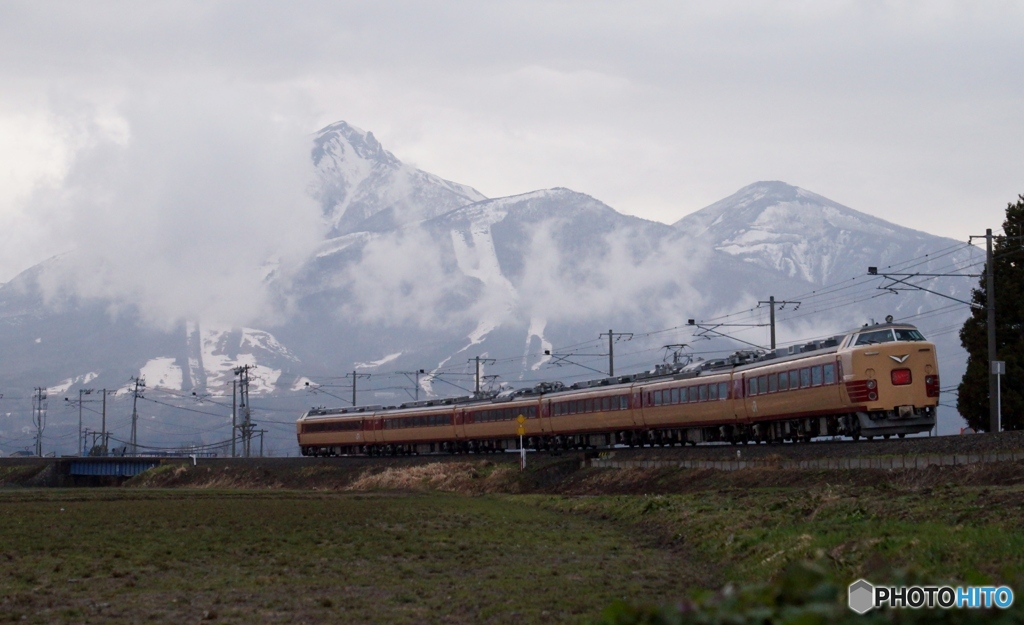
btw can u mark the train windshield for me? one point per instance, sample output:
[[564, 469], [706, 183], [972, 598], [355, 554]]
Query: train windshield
[[888, 335], [908, 334]]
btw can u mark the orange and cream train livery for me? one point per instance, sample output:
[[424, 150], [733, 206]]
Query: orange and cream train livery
[[878, 380]]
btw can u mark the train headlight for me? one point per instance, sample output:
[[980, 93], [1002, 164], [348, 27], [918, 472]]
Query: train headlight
[[871, 384], [901, 377], [873, 396]]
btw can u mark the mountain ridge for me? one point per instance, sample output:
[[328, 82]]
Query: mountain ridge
[[432, 275]]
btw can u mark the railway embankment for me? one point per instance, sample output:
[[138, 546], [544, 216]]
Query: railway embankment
[[980, 459]]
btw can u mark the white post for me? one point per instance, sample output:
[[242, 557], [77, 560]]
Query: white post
[[998, 369]]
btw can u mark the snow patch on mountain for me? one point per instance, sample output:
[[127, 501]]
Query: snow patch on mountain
[[536, 330], [338, 244], [62, 387], [222, 349], [259, 339], [301, 383], [162, 372], [376, 363], [477, 258]]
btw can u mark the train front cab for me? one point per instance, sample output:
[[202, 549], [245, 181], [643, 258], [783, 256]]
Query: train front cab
[[891, 380]]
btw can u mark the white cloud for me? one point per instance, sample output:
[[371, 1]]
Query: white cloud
[[909, 111], [180, 209]]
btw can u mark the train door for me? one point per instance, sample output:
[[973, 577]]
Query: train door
[[375, 426], [636, 404], [544, 410], [738, 393], [460, 424]]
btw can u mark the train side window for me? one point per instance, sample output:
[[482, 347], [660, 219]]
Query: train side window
[[723, 390], [830, 373], [712, 392], [783, 381], [623, 402], [762, 385], [816, 377], [805, 377], [703, 392], [794, 379], [579, 406], [657, 398], [751, 387], [773, 383]]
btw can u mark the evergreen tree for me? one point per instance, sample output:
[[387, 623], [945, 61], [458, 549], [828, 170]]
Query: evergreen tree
[[1008, 267]]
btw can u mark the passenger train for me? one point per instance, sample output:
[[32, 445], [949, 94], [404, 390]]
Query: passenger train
[[878, 380]]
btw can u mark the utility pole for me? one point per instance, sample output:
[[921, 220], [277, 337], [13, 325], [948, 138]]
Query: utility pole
[[416, 373], [478, 360], [261, 433], [103, 426], [139, 383], [771, 316], [39, 417], [356, 376], [234, 412], [81, 437], [990, 301], [611, 349], [243, 392]]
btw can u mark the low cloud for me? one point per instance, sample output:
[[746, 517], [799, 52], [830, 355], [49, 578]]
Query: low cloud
[[185, 208]]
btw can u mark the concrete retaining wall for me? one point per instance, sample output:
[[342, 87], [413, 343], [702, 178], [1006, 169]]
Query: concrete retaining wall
[[883, 462]]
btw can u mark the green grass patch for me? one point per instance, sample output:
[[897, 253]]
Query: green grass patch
[[125, 556], [964, 535]]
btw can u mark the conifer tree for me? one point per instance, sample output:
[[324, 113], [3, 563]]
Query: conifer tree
[[1008, 267]]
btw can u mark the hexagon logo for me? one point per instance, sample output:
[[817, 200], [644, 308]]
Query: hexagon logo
[[862, 596]]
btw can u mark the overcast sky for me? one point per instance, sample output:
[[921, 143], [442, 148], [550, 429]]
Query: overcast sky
[[176, 124]]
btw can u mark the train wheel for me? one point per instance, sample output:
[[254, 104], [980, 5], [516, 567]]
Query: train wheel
[[901, 435]]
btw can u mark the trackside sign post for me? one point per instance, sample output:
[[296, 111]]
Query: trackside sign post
[[521, 430]]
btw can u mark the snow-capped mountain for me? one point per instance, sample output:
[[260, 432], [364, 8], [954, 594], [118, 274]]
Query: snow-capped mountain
[[801, 234], [364, 187], [419, 273]]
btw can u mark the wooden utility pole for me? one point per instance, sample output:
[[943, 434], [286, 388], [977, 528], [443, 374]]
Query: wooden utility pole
[[990, 301]]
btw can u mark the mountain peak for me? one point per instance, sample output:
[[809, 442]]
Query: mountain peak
[[343, 136], [365, 187], [802, 234]]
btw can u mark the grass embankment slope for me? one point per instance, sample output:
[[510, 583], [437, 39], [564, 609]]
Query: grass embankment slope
[[467, 542]]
